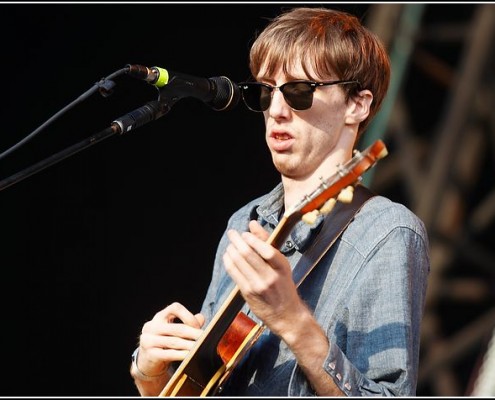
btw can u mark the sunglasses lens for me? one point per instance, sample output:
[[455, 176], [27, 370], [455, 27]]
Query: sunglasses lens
[[265, 97], [257, 97], [298, 95]]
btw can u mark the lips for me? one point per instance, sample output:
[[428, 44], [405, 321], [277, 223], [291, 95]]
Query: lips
[[281, 136], [280, 141]]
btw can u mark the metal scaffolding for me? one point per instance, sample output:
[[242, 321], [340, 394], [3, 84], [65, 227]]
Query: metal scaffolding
[[443, 62]]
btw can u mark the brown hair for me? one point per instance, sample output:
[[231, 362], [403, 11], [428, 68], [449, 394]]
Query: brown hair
[[332, 42]]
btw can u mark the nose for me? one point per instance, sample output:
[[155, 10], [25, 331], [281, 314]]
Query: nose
[[278, 105]]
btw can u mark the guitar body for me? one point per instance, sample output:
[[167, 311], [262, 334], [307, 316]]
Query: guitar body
[[210, 366], [230, 334]]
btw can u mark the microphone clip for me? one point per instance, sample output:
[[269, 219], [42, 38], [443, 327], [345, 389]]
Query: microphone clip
[[105, 87]]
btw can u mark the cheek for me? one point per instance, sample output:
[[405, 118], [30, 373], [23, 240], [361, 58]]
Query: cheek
[[326, 139], [328, 123], [326, 130], [333, 100], [330, 116]]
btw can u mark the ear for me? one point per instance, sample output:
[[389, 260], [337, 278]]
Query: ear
[[358, 107]]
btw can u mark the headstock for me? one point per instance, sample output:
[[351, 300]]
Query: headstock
[[338, 187]]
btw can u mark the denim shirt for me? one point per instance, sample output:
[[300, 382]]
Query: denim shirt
[[367, 293]]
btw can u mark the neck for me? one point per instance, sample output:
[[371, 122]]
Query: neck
[[296, 188]]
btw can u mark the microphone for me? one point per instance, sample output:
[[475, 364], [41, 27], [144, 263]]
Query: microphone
[[220, 93], [140, 116]]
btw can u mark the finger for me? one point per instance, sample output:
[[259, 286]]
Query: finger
[[272, 262], [241, 256], [174, 342], [171, 336], [245, 266], [200, 318], [263, 250], [176, 311], [248, 245], [178, 329], [256, 229]]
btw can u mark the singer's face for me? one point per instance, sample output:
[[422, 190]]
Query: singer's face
[[311, 142]]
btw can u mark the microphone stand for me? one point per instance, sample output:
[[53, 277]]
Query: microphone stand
[[142, 115], [152, 110], [5, 183]]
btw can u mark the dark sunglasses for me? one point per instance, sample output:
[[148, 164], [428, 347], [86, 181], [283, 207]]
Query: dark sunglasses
[[298, 94]]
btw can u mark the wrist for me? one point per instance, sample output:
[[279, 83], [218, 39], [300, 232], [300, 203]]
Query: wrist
[[137, 373]]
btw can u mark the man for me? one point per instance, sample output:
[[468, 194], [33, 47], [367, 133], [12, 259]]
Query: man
[[352, 327]]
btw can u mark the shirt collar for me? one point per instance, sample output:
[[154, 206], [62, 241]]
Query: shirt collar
[[269, 211]]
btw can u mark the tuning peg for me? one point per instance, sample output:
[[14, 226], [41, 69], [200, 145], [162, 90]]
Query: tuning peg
[[310, 217], [382, 153], [346, 194], [328, 206]]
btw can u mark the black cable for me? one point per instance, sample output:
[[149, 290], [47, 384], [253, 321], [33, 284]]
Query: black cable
[[104, 86]]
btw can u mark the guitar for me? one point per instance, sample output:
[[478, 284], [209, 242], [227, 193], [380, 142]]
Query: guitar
[[231, 333]]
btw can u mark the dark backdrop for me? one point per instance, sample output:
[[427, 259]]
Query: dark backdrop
[[94, 245]]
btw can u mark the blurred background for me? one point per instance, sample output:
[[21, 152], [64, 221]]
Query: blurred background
[[94, 245]]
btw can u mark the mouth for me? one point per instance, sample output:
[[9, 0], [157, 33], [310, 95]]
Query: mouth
[[280, 136], [281, 141]]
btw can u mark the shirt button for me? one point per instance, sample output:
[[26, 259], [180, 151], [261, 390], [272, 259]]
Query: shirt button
[[289, 244], [347, 385], [338, 376], [332, 365]]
